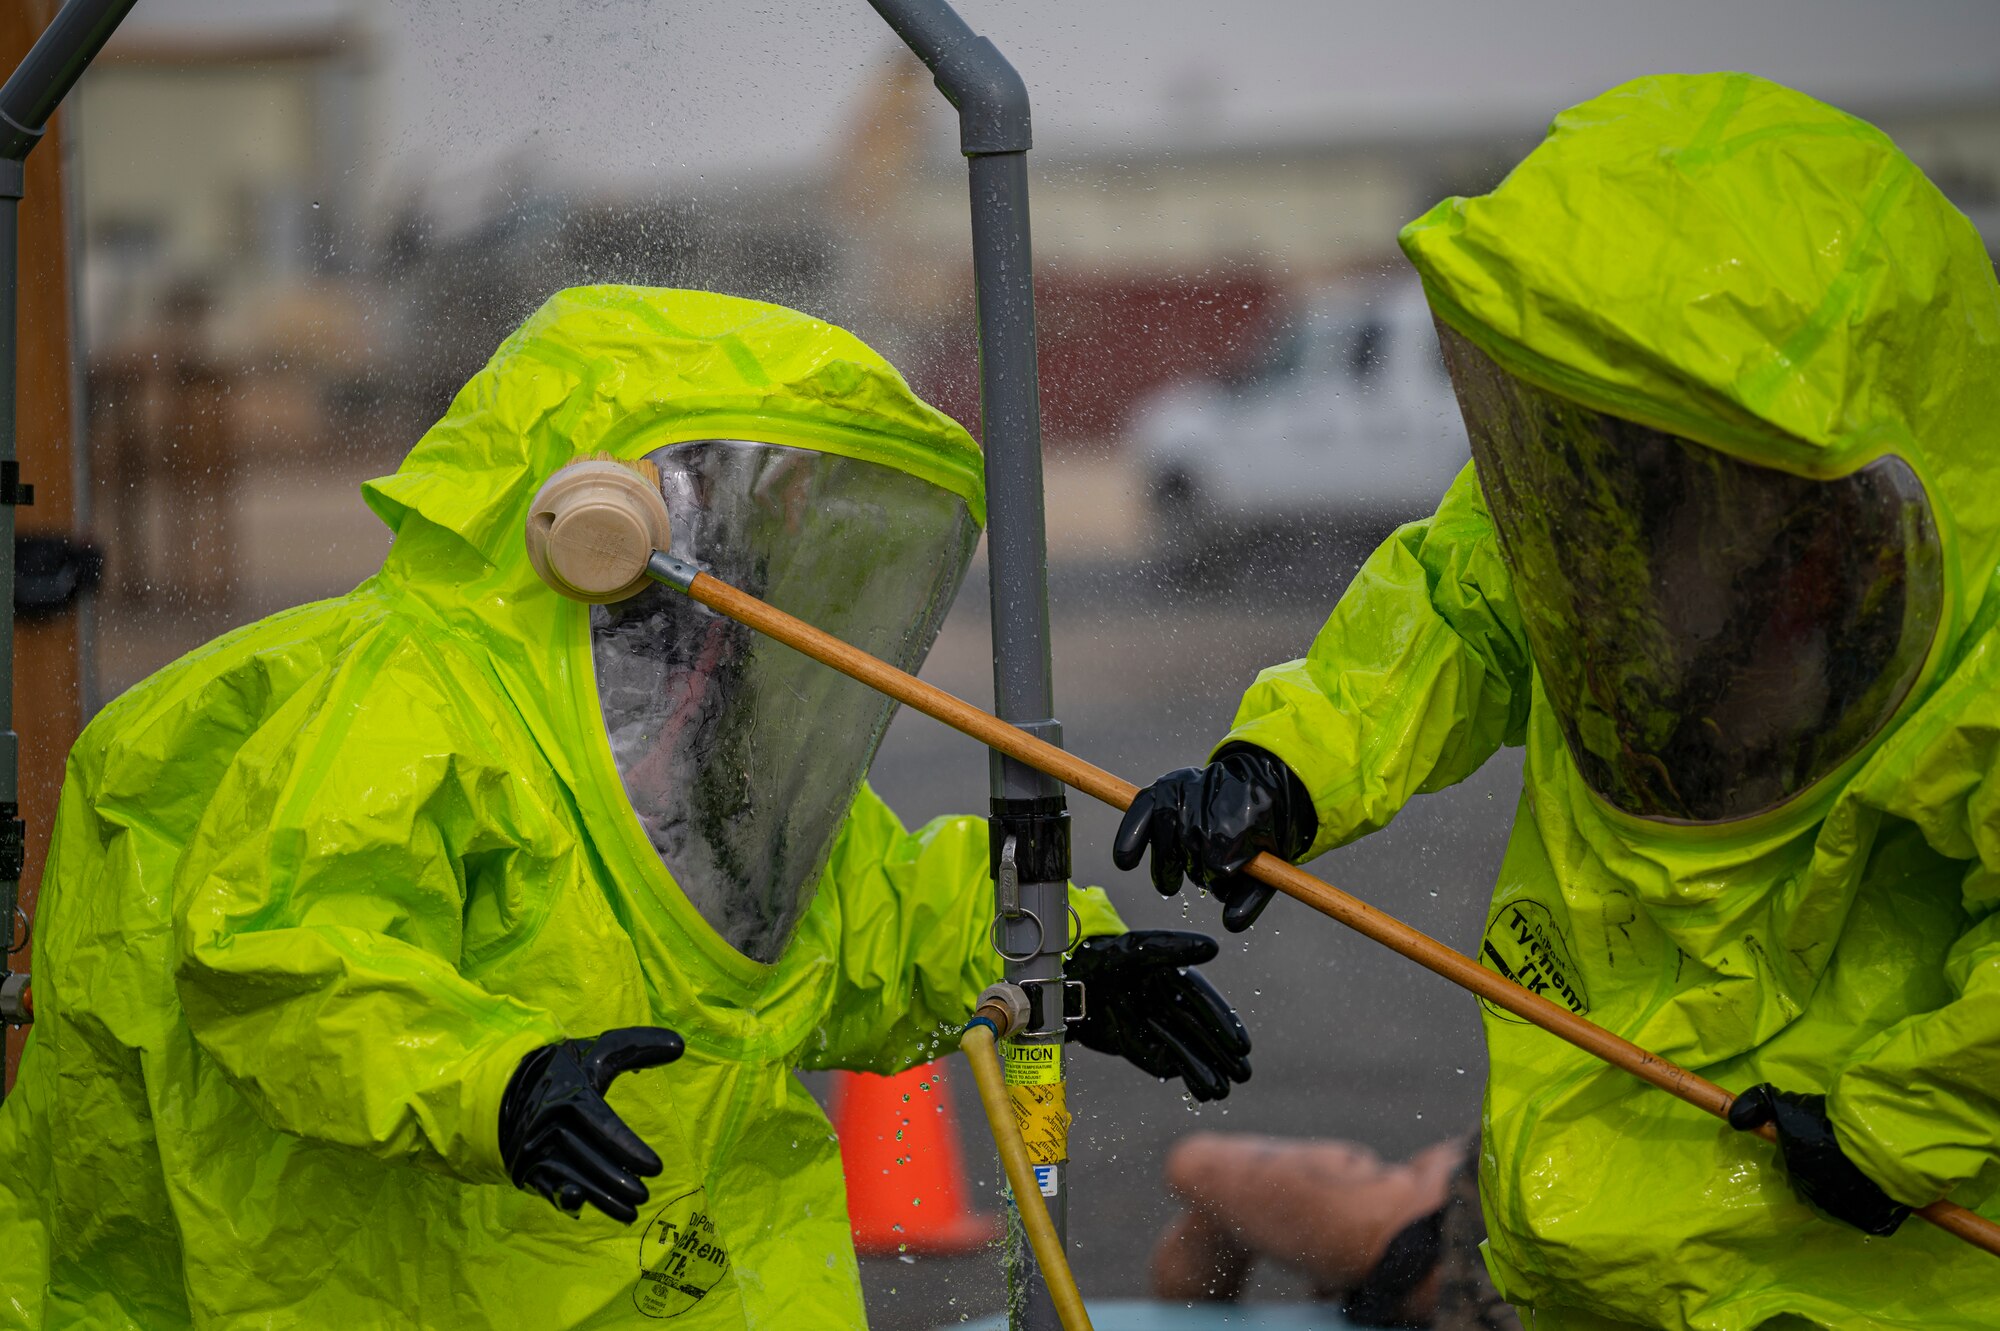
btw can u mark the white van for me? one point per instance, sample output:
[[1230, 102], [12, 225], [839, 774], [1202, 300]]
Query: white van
[[1348, 427]]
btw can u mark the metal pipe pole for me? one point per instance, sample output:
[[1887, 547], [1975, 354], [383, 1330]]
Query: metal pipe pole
[[13, 830], [51, 68], [1029, 827], [27, 100]]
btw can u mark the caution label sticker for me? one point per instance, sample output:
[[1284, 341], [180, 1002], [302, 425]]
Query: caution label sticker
[[1033, 1064], [1042, 1114]]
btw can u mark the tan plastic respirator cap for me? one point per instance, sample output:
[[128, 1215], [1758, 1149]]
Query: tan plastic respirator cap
[[592, 527]]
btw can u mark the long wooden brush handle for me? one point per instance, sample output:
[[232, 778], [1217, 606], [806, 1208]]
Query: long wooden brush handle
[[1293, 881]]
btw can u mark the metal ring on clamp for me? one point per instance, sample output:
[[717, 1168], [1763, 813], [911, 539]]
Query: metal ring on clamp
[[1076, 930], [1041, 936]]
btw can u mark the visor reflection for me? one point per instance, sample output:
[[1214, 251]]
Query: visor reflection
[[740, 757], [1714, 636]]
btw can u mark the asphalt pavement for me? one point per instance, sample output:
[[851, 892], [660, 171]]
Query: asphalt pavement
[[1350, 1040]]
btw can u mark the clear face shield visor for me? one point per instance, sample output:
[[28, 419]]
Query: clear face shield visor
[[1714, 636], [739, 756]]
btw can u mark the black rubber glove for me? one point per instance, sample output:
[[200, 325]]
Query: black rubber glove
[[559, 1138], [1208, 822], [1819, 1170], [1144, 1001]]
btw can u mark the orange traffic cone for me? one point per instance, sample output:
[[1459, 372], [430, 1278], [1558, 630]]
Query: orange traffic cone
[[905, 1175]]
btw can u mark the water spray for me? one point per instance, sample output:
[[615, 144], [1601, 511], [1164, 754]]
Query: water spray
[[593, 563]]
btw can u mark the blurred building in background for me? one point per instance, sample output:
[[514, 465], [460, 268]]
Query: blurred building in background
[[229, 309], [269, 319], [219, 160], [1154, 268]]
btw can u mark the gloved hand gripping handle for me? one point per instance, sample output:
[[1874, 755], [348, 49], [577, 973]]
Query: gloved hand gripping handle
[[1206, 823], [1820, 1171]]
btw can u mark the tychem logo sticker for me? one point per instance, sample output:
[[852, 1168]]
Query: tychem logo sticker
[[681, 1257], [1523, 943]]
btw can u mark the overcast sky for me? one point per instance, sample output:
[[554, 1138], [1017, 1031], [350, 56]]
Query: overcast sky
[[637, 90]]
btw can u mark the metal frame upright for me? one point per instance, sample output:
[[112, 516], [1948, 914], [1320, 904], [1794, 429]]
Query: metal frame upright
[[1030, 816], [27, 100]]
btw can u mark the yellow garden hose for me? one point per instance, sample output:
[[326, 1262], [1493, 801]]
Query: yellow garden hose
[[983, 1052]]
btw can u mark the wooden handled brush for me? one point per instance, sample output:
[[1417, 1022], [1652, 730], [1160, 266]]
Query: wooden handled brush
[[584, 560]]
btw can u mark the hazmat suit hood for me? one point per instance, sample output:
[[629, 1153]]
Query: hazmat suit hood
[[1731, 262], [799, 466], [624, 370]]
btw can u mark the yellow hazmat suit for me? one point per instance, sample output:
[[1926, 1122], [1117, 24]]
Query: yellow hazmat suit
[[317, 887], [1720, 261]]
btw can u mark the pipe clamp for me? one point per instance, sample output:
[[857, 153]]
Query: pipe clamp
[[17, 1001]]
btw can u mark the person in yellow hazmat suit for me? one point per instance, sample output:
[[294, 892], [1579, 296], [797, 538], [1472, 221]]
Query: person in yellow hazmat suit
[[1724, 562], [359, 914]]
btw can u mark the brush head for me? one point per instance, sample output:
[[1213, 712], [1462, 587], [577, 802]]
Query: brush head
[[594, 524]]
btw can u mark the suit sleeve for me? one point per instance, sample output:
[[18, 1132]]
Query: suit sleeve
[[1918, 1108], [320, 909], [1419, 675], [913, 949]]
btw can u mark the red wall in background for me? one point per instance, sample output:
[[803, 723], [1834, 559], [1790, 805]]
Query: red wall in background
[[1105, 341]]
